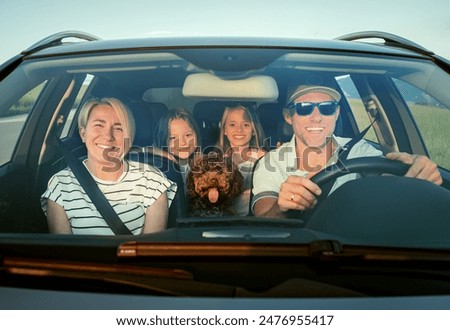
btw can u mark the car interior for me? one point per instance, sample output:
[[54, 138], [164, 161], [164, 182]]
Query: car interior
[[204, 83]]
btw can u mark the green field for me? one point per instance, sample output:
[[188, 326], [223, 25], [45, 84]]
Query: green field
[[25, 104], [433, 123]]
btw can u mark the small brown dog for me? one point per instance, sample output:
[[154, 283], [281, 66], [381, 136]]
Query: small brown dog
[[213, 183]]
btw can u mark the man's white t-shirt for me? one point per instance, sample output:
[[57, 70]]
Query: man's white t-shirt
[[277, 165]]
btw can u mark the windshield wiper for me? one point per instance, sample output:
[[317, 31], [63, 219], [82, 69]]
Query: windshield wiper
[[320, 249], [81, 276]]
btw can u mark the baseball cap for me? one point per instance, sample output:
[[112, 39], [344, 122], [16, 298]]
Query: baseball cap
[[306, 89]]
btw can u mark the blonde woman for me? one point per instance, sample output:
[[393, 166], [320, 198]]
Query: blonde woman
[[140, 194], [242, 139]]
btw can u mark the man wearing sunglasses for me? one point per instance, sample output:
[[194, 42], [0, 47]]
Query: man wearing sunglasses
[[281, 180]]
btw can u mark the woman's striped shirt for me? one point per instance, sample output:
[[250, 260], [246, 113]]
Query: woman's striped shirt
[[136, 190]]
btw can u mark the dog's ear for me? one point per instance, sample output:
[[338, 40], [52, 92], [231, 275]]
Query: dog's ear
[[190, 183], [237, 183]]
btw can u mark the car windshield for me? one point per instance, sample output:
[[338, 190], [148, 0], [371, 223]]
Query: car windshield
[[401, 97], [224, 168]]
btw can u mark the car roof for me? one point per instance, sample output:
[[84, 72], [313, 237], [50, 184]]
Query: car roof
[[53, 45]]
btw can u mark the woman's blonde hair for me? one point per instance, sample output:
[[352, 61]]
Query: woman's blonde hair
[[125, 116]]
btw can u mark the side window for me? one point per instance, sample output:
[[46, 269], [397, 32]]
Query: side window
[[357, 106], [12, 121], [71, 116], [433, 120]]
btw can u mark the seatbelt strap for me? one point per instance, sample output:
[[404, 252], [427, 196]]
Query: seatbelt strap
[[93, 191], [343, 154]]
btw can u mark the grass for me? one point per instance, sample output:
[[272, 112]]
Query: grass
[[25, 104], [433, 123]]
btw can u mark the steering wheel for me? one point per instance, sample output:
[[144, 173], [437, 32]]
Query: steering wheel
[[365, 166]]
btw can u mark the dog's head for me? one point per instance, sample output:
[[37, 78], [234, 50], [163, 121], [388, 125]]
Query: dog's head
[[215, 178]]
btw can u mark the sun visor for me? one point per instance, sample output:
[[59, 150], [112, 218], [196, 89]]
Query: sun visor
[[257, 88]]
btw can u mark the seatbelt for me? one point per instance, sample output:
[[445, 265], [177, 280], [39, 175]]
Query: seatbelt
[[343, 154], [93, 191]]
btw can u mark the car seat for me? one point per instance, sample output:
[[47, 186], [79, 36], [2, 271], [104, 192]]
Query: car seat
[[275, 127], [208, 115], [146, 116]]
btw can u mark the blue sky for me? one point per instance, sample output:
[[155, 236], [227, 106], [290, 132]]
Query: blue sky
[[23, 22]]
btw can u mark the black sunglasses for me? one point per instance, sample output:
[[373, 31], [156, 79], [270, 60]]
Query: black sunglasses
[[327, 108]]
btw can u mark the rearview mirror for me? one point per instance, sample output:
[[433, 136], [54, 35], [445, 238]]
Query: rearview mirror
[[257, 88]]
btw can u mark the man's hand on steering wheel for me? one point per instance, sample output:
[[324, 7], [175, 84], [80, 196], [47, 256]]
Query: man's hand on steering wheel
[[421, 166], [298, 193]]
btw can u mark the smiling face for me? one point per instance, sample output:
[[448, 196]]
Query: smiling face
[[312, 130], [104, 136], [238, 128], [182, 139]]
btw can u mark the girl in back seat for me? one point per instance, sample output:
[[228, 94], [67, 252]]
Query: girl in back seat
[[176, 137], [242, 139]]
